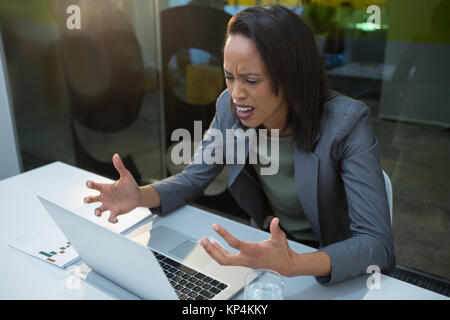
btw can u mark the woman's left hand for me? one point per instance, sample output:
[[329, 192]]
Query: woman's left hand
[[273, 253]]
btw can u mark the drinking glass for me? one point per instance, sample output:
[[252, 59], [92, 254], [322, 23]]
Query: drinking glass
[[263, 284]]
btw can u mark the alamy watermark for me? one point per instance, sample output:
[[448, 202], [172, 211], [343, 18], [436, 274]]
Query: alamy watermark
[[375, 17], [211, 149], [73, 21], [73, 282], [374, 280]]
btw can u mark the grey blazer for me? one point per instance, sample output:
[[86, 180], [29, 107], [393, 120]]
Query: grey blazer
[[340, 186]]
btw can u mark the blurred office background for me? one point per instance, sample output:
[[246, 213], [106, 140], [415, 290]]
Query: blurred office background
[[138, 69]]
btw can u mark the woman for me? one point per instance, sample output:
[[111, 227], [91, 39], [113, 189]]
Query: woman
[[329, 187]]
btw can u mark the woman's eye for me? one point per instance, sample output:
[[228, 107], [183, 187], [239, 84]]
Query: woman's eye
[[248, 81]]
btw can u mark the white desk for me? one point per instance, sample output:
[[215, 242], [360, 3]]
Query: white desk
[[25, 277]]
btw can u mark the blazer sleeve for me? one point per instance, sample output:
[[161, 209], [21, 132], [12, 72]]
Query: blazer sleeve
[[189, 184], [371, 241]]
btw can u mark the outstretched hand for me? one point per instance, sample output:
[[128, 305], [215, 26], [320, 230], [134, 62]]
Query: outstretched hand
[[273, 253], [119, 197]]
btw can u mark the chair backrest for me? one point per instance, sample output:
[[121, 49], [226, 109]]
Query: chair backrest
[[388, 186], [199, 28], [103, 67]]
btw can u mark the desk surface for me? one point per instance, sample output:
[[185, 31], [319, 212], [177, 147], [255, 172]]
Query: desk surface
[[25, 277]]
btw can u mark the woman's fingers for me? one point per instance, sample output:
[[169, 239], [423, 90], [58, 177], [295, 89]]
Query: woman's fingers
[[216, 252], [98, 212], [113, 216], [91, 199], [232, 241], [275, 230], [94, 185], [118, 164], [222, 256], [228, 257], [212, 251]]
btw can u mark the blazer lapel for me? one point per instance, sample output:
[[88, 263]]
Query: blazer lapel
[[234, 168], [306, 168]]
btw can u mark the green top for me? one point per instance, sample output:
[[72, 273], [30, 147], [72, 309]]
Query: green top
[[280, 190]]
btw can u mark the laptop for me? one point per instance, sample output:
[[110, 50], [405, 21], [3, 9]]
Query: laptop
[[172, 266]]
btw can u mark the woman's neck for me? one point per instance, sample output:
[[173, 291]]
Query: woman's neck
[[278, 121], [282, 133]]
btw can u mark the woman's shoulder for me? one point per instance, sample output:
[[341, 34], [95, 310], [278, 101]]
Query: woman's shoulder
[[341, 115], [223, 111], [223, 101], [343, 106]]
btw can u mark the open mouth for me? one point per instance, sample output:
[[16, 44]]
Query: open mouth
[[244, 112]]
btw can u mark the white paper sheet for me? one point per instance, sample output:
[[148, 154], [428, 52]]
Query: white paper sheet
[[48, 244]]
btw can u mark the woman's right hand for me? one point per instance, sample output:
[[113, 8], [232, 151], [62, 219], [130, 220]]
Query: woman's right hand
[[119, 197]]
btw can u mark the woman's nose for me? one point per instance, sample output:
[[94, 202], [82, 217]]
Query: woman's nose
[[238, 92]]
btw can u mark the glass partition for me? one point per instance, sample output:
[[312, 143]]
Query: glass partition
[[82, 94]]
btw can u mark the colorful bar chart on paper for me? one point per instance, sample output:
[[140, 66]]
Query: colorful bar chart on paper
[[48, 244], [52, 253]]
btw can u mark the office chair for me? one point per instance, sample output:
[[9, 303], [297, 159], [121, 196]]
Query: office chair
[[388, 186], [187, 29]]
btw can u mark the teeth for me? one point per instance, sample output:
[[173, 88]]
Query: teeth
[[243, 109]]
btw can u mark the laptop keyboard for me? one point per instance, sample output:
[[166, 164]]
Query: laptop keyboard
[[188, 283]]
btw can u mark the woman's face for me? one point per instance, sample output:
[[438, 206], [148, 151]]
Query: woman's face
[[250, 86]]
